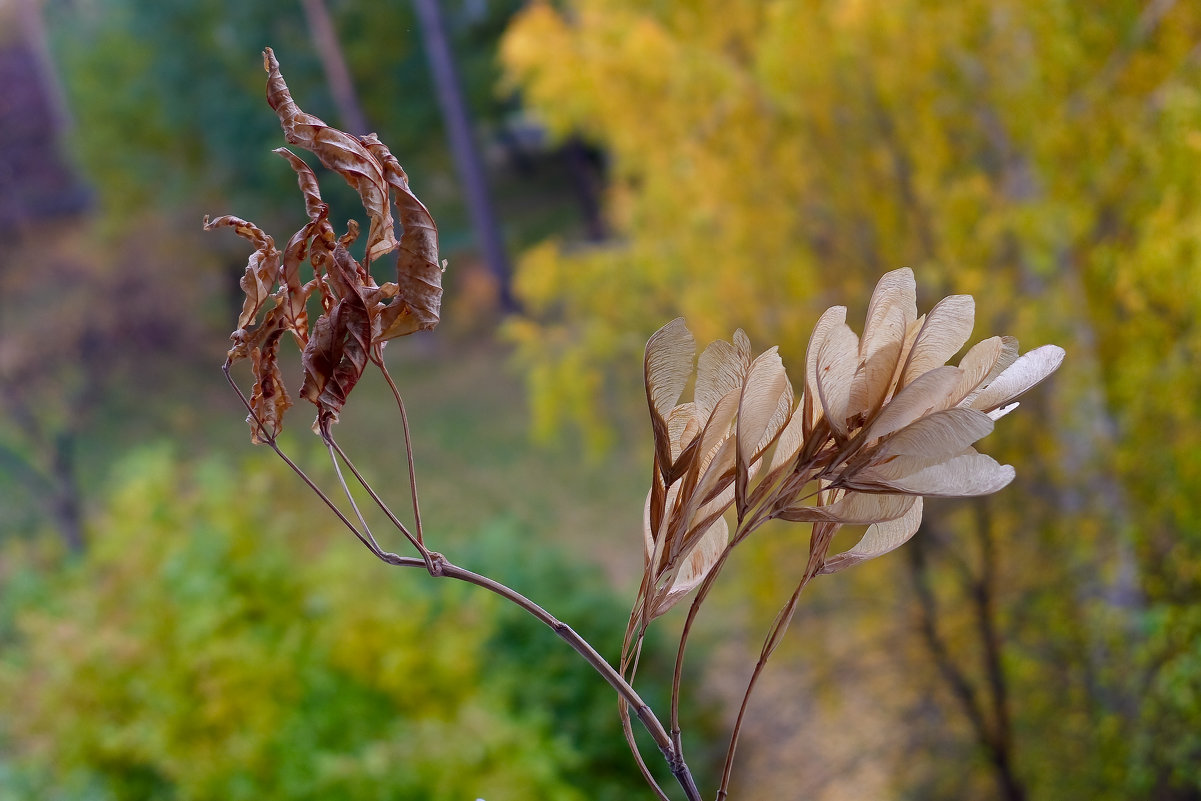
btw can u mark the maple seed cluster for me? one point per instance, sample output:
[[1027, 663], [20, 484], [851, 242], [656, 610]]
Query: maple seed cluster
[[358, 315], [882, 421]]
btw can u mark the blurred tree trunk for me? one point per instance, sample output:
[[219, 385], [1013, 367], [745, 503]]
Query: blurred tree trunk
[[985, 703], [33, 32], [466, 154], [333, 61]]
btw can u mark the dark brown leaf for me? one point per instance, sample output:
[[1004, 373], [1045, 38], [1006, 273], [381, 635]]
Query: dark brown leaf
[[339, 151], [335, 357], [269, 400], [262, 269], [418, 274]]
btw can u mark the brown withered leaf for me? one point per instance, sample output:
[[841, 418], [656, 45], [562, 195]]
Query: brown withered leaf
[[292, 295], [418, 300], [262, 268], [269, 400], [339, 151], [338, 349], [314, 206]]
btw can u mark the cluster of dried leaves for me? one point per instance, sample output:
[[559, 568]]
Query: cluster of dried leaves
[[358, 315], [882, 421]]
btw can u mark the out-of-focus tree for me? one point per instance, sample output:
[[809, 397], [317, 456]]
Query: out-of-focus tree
[[768, 159], [169, 101], [210, 647], [85, 315]]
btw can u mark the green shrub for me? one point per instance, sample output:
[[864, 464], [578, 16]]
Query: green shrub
[[214, 645]]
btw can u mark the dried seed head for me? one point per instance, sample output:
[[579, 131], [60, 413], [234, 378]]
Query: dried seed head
[[882, 422]]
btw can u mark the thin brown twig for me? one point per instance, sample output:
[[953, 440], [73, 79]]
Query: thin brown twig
[[425, 552], [404, 424], [442, 567], [770, 643], [333, 457], [271, 443], [623, 713], [580, 646]]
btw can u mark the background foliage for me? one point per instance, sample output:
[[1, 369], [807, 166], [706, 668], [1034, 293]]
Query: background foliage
[[210, 646], [768, 159], [762, 161]]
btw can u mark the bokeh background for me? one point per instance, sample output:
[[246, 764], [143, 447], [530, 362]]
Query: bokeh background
[[181, 619]]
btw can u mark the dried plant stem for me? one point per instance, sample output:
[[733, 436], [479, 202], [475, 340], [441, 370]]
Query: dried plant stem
[[754, 521], [333, 457], [774, 636], [425, 552], [377, 358], [271, 443], [581, 646], [623, 713], [437, 565]]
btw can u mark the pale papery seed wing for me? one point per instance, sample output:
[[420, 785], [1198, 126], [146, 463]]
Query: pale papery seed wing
[[889, 313], [946, 330], [1029, 369], [837, 361], [1001, 411], [695, 566], [967, 475], [938, 435], [976, 365], [1008, 355], [779, 419], [930, 392], [891, 310], [655, 539], [743, 343], [788, 445], [873, 380], [811, 401], [888, 469], [879, 539], [719, 427], [766, 385], [338, 151], [915, 328], [667, 367], [682, 427], [852, 509], [721, 367], [713, 489]]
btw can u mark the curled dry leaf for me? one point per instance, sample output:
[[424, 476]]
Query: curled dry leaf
[[339, 151], [418, 273], [337, 352], [261, 269], [269, 399]]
